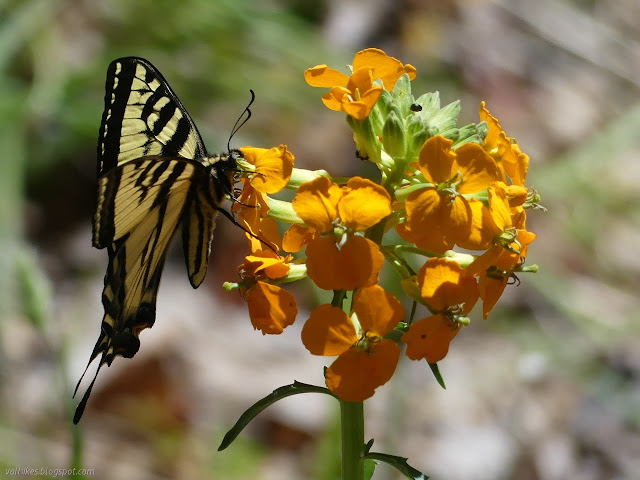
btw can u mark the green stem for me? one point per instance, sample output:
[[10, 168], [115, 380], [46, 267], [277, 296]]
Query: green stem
[[352, 419]]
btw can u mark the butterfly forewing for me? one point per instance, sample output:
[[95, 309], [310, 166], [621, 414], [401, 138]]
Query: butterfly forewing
[[143, 116]]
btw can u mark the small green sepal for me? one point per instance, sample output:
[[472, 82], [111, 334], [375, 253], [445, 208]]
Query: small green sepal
[[300, 176]]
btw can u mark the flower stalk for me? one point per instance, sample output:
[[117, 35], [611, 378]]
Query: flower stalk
[[352, 441]]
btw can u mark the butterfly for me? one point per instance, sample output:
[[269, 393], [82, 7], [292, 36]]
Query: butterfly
[[154, 174]]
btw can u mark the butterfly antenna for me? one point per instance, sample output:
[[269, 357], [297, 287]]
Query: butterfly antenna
[[242, 119]]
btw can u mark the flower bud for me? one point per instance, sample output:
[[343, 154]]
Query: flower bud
[[416, 141], [451, 134], [415, 123], [367, 141], [384, 103], [393, 136], [470, 134]]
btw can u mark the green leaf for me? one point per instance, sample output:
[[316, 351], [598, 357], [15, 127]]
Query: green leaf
[[399, 463], [260, 405], [437, 374], [369, 468]]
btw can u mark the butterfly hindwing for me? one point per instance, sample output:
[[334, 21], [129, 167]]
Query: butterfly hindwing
[[140, 205], [197, 229]]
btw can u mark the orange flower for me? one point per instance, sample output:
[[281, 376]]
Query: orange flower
[[492, 224], [495, 267], [499, 227], [271, 308], [439, 216], [508, 249], [504, 150], [493, 280], [253, 209], [451, 293], [337, 258], [366, 359], [272, 169], [356, 94]]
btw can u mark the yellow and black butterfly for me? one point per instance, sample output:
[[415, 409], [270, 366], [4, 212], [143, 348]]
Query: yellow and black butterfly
[[153, 174]]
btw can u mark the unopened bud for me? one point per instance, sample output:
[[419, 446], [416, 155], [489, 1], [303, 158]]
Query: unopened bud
[[393, 136]]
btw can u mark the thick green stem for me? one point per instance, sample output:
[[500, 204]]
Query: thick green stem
[[352, 416]]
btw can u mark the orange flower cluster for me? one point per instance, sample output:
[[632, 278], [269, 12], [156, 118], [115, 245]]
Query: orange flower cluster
[[441, 187]]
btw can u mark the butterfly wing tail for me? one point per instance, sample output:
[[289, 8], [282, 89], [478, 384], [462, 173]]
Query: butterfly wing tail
[[83, 403]]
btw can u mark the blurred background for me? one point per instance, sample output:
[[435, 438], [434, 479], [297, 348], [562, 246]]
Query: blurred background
[[547, 388]]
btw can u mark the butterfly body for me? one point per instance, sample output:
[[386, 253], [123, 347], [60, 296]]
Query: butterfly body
[[154, 174]]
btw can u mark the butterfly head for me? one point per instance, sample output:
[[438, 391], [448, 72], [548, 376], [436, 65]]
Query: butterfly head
[[223, 169]]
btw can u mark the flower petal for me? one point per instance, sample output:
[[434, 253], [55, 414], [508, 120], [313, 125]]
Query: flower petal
[[265, 261], [483, 228], [361, 108], [356, 373], [356, 264], [499, 207], [316, 203], [516, 164], [360, 82], [252, 209], [478, 169], [364, 204], [482, 263], [491, 289], [444, 283], [457, 219], [430, 337], [388, 69], [437, 160], [336, 98], [324, 76], [296, 238], [524, 238], [504, 150], [271, 308], [378, 311], [328, 331], [424, 226]]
